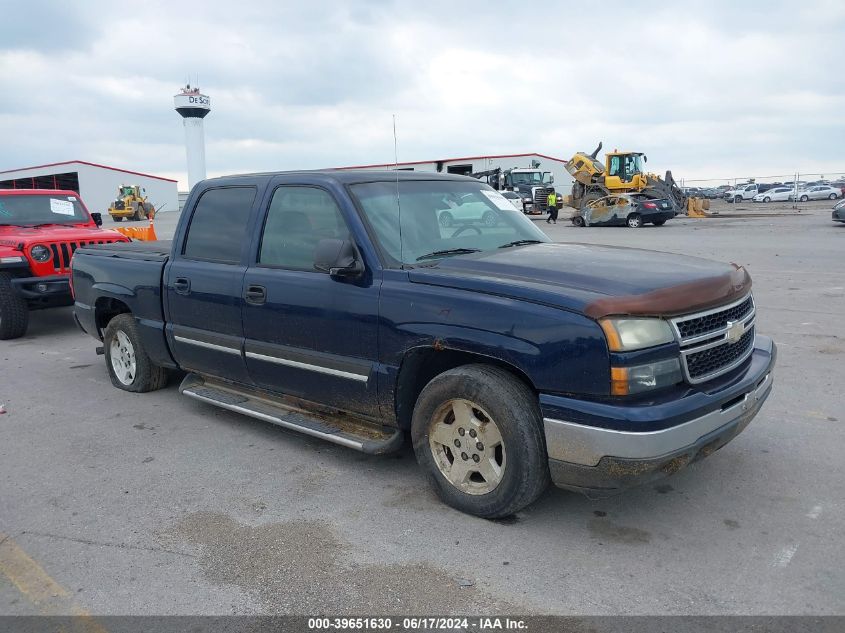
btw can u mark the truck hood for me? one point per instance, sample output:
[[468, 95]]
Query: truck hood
[[593, 280]]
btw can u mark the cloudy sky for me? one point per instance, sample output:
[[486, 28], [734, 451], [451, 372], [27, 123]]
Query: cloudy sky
[[709, 89]]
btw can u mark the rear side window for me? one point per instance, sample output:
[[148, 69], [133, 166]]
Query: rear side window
[[218, 226]]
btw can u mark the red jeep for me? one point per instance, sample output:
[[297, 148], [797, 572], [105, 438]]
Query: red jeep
[[39, 231]]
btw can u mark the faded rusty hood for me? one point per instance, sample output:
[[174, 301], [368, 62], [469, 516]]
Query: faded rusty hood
[[593, 280]]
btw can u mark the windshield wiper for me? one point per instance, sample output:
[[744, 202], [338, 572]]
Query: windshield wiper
[[448, 251], [520, 243]]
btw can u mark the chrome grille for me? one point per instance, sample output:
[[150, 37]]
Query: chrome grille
[[715, 341], [541, 198]]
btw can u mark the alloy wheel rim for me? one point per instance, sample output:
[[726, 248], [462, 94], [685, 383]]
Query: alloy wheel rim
[[122, 355], [467, 447]]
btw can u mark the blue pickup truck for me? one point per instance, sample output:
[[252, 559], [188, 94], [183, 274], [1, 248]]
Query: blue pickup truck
[[338, 305]]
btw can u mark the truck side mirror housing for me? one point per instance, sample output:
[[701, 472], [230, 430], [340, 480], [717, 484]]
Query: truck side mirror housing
[[98, 218], [551, 179], [338, 258]]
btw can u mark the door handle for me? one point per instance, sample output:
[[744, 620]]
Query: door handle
[[182, 285], [256, 295]]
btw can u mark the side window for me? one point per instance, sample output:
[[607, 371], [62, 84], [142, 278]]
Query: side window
[[614, 166], [298, 218], [218, 226]]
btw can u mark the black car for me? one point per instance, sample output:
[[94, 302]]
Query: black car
[[624, 210]]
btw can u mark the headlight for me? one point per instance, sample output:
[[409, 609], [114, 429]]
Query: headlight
[[628, 380], [40, 253], [625, 335]]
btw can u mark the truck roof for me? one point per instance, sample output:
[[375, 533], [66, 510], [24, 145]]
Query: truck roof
[[347, 177]]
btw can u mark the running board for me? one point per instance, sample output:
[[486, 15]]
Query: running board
[[367, 438]]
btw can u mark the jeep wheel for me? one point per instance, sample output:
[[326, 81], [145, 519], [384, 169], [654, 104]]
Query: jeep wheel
[[635, 221], [130, 368], [478, 433], [14, 313]]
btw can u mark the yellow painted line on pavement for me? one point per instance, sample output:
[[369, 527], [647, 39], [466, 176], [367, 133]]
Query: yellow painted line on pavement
[[39, 588]]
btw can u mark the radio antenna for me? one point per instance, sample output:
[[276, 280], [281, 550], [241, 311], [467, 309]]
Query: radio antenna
[[398, 202]]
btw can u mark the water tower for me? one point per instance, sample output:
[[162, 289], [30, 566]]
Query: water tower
[[193, 106]]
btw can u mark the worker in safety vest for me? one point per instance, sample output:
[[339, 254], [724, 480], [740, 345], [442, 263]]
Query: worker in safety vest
[[552, 202]]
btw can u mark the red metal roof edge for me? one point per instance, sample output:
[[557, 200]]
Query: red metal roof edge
[[85, 162], [448, 160]]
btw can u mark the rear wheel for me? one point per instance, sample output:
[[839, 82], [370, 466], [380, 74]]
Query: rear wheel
[[130, 368], [477, 431], [14, 312], [832, 196], [635, 221], [804, 198]]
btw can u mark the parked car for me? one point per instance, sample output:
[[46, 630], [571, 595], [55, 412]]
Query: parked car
[[778, 194], [458, 210], [515, 199], [839, 211], [624, 210], [818, 192], [742, 192], [39, 231], [337, 304]]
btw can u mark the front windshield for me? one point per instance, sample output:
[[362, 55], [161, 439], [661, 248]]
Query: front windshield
[[528, 178], [439, 216], [28, 209]]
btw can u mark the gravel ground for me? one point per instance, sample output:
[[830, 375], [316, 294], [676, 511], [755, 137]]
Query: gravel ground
[[156, 504]]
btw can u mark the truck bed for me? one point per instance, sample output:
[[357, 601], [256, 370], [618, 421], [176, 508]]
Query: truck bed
[[147, 251]]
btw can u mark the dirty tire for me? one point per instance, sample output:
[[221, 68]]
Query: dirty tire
[[14, 313], [147, 376], [446, 220], [515, 410], [635, 221], [578, 221]]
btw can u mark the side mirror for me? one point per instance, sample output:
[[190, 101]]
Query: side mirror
[[98, 218], [645, 158], [551, 179], [338, 258]]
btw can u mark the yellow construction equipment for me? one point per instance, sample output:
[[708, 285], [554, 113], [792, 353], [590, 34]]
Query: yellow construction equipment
[[624, 173], [131, 203]]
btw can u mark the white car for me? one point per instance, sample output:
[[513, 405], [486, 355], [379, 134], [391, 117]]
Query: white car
[[817, 192], [515, 199], [778, 194]]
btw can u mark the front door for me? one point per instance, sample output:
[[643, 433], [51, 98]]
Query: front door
[[204, 283], [309, 335]]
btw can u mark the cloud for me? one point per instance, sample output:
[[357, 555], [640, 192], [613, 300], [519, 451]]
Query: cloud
[[704, 88]]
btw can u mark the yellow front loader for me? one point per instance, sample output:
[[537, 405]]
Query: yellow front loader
[[131, 203], [624, 173]]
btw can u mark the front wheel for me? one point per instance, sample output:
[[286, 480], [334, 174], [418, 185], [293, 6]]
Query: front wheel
[[804, 198], [767, 199], [737, 199], [578, 221], [14, 312], [116, 219], [635, 221], [477, 432], [130, 368]]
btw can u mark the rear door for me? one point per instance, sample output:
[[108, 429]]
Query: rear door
[[203, 285], [308, 335]]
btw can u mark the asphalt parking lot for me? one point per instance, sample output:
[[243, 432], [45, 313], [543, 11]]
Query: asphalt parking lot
[[117, 503]]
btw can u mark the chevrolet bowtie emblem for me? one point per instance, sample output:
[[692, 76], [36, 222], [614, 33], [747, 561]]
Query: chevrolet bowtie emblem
[[735, 331]]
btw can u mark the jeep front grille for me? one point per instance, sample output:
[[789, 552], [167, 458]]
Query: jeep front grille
[[715, 341], [63, 252]]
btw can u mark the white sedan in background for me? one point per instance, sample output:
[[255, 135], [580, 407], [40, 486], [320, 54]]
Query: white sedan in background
[[817, 192], [778, 194], [515, 199]]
